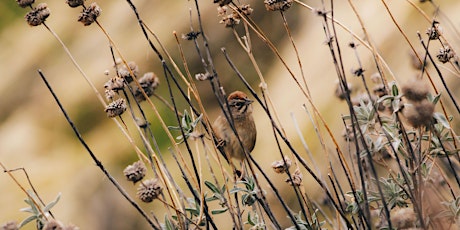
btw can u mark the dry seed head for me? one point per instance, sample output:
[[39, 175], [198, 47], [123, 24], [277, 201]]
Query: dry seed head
[[434, 32], [229, 21], [296, 178], [110, 94], [416, 63], [280, 166], [149, 82], [124, 72], [415, 90], [202, 76], [278, 5], [135, 172], [115, 84], [191, 35], [246, 9], [419, 113], [149, 190], [380, 90], [142, 123], [25, 3], [221, 11], [90, 14], [445, 54], [116, 108], [10, 225], [340, 92], [75, 3], [403, 218], [223, 2], [38, 15], [53, 225]]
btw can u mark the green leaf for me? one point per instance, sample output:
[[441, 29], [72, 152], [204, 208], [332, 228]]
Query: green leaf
[[394, 89], [219, 211], [250, 220], [52, 203], [27, 209], [442, 119], [27, 220], [168, 224], [212, 187]]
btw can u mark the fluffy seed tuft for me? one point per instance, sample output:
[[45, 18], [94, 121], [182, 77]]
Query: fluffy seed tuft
[[419, 113], [415, 90]]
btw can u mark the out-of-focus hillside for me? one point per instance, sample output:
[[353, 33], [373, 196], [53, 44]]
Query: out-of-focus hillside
[[35, 135]]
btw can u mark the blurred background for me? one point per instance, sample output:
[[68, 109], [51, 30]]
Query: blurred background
[[35, 135]]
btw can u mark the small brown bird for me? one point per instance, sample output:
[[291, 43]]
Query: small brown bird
[[241, 110]]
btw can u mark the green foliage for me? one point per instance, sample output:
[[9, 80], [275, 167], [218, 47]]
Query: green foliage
[[188, 125], [37, 210]]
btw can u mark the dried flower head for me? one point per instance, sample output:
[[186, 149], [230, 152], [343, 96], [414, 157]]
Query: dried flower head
[[419, 113], [380, 90], [434, 32], [25, 3], [149, 82], [415, 90], [10, 225], [149, 190], [116, 108], [246, 9], [124, 72], [135, 172], [340, 92], [142, 123], [230, 21], [403, 218], [282, 166], [53, 225], [38, 15], [222, 11], [75, 3], [202, 76], [445, 54], [110, 94], [296, 178], [222, 2], [115, 84], [191, 35], [90, 14], [361, 97], [415, 61], [278, 5]]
